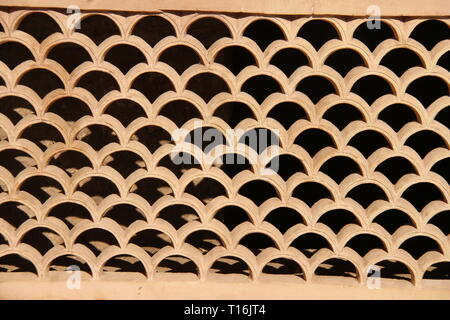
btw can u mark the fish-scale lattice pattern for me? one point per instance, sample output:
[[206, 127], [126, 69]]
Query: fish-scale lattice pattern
[[86, 118]]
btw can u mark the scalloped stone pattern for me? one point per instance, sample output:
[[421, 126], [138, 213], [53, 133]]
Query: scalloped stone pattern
[[86, 117]]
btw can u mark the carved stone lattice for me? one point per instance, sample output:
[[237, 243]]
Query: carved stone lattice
[[86, 118]]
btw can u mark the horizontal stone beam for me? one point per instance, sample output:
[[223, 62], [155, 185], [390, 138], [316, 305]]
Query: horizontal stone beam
[[416, 8]]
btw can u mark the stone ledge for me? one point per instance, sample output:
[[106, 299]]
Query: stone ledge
[[204, 290], [282, 7]]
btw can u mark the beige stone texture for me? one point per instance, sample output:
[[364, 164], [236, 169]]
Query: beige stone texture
[[57, 155]]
